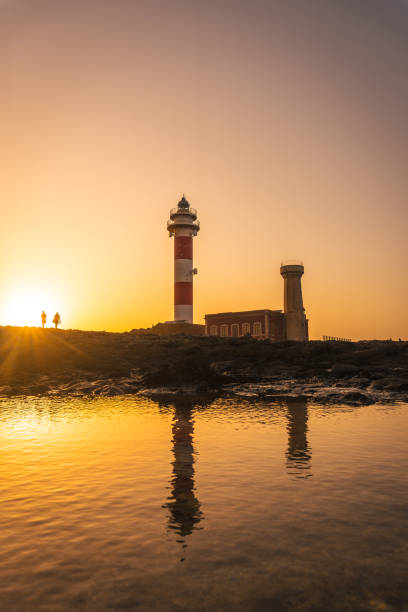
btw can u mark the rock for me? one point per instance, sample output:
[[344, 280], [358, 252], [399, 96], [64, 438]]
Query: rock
[[135, 374], [351, 397], [39, 389], [355, 398], [344, 369], [398, 385], [151, 392], [271, 391], [84, 386], [301, 373], [204, 388], [360, 382], [375, 372], [235, 369], [248, 394], [328, 398], [273, 368], [133, 381], [379, 385]]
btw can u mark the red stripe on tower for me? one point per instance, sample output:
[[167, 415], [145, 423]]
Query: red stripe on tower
[[183, 247], [183, 293]]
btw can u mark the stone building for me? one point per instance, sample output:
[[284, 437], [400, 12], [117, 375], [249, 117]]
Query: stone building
[[291, 324], [257, 323]]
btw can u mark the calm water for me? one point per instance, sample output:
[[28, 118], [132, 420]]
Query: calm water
[[130, 504]]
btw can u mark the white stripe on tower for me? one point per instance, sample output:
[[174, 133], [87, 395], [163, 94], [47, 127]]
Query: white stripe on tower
[[182, 312], [183, 270]]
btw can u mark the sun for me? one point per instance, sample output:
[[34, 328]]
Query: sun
[[23, 306]]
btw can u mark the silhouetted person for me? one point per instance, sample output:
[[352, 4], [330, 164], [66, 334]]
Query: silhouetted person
[[56, 320], [43, 318]]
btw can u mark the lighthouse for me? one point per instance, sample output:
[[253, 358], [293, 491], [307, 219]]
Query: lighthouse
[[183, 225]]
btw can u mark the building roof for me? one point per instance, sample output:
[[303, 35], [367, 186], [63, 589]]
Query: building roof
[[244, 312]]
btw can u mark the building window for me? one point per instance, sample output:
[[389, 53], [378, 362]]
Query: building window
[[224, 331], [213, 330], [257, 329], [235, 330], [246, 328]]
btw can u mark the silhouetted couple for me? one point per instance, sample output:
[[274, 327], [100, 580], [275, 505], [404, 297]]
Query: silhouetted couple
[[56, 320]]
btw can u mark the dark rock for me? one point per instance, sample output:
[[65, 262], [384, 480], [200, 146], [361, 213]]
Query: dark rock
[[301, 373], [328, 398], [39, 389], [352, 398], [377, 374], [222, 368], [203, 388], [360, 382], [380, 384], [271, 391], [397, 385], [355, 398], [238, 369], [344, 369]]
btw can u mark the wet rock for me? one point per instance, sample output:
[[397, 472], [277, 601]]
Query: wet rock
[[352, 398], [132, 381], [398, 385], [205, 388], [39, 389], [360, 382], [152, 391], [86, 386], [328, 397], [271, 392], [355, 398]]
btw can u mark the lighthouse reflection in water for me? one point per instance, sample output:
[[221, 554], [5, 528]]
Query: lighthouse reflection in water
[[185, 514], [183, 505]]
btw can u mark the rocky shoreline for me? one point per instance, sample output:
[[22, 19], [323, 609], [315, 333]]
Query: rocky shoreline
[[59, 363]]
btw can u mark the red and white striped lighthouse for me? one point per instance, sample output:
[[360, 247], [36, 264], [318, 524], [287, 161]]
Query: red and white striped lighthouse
[[183, 225]]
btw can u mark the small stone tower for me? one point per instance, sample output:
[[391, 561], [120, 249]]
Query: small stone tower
[[295, 320], [183, 225]]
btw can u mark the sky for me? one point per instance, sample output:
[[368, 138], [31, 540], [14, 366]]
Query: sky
[[284, 122]]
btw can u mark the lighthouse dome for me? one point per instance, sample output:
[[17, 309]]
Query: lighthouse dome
[[183, 203]]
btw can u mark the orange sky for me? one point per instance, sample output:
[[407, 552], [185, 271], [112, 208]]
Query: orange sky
[[284, 122]]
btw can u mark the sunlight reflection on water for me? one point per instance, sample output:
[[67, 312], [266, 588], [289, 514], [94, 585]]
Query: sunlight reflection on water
[[131, 503]]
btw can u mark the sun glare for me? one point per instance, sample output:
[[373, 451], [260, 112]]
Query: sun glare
[[23, 306]]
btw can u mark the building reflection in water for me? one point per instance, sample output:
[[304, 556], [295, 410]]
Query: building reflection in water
[[299, 453], [183, 505]]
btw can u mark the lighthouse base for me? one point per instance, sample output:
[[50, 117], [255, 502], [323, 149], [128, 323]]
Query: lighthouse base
[[183, 313]]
